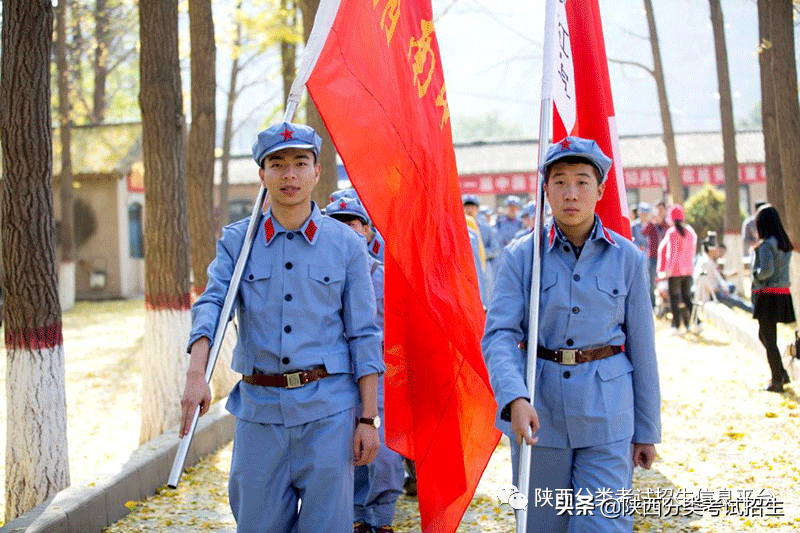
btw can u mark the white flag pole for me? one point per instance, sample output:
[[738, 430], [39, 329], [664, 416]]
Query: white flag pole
[[545, 131], [326, 14]]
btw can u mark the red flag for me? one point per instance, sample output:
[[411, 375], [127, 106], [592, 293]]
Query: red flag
[[582, 98], [379, 87]]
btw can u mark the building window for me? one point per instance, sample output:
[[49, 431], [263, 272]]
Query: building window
[[135, 233]]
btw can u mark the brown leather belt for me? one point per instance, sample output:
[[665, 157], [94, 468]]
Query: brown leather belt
[[290, 380], [576, 357]]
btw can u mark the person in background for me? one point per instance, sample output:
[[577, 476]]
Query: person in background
[[643, 217], [509, 224], [676, 253], [708, 278], [772, 301], [528, 218], [654, 230], [749, 232], [378, 484], [490, 242]]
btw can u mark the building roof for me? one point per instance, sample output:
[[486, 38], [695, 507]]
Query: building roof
[[644, 151]]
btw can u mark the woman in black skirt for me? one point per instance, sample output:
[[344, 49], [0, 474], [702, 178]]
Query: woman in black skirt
[[772, 302]]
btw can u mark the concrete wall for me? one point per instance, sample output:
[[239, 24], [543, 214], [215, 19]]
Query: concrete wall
[[100, 254]]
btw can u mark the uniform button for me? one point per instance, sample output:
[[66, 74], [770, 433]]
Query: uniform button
[[326, 279], [251, 276], [615, 291], [286, 360], [288, 297], [290, 236], [567, 374], [288, 329], [288, 266], [576, 277], [566, 248], [570, 342], [575, 310]]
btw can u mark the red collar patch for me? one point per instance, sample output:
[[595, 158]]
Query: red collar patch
[[376, 246], [311, 230], [607, 235], [287, 134], [552, 235], [269, 230]]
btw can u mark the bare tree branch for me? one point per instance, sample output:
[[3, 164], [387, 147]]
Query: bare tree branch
[[633, 64]]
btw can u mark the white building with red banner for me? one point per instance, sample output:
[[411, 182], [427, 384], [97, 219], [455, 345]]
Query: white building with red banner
[[494, 170]]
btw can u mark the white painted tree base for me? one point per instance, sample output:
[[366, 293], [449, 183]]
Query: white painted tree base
[[37, 462], [66, 285], [733, 259], [163, 362]]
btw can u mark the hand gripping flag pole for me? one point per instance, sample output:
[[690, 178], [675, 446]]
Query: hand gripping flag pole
[[545, 130], [319, 34]]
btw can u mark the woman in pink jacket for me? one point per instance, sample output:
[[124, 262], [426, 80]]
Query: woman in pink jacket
[[676, 263]]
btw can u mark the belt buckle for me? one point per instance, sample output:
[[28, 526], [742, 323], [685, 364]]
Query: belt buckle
[[568, 357], [293, 380]]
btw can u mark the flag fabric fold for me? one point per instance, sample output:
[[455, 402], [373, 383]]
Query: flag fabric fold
[[379, 87], [582, 100]]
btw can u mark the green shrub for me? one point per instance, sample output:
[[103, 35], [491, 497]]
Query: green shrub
[[705, 211]]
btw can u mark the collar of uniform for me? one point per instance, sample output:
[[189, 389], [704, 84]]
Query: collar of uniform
[[374, 246], [554, 233], [309, 230]]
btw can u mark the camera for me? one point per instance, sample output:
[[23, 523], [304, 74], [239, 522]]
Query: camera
[[711, 239]]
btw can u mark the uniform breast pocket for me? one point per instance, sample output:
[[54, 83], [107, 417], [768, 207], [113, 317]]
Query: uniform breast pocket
[[611, 295], [616, 383], [255, 285], [550, 299], [327, 282]]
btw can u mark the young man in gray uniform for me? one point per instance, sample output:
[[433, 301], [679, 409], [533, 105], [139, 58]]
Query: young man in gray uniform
[[595, 412], [309, 350]]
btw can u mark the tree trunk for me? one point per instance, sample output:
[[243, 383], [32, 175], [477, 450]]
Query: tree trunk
[[787, 113], [66, 278], [202, 137], [674, 184], [37, 463], [227, 134], [100, 61], [772, 153], [329, 176], [733, 222], [288, 50], [167, 319]]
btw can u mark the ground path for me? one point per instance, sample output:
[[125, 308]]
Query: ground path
[[720, 432]]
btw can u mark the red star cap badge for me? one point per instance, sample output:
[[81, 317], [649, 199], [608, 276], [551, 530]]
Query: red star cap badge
[[342, 204], [565, 144], [287, 134]]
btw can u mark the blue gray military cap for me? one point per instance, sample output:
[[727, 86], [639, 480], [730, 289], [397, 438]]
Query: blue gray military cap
[[285, 135], [343, 193], [644, 207], [470, 199], [513, 200], [347, 207], [577, 147]]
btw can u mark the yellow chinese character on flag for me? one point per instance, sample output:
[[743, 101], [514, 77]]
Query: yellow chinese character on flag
[[441, 101], [424, 49]]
